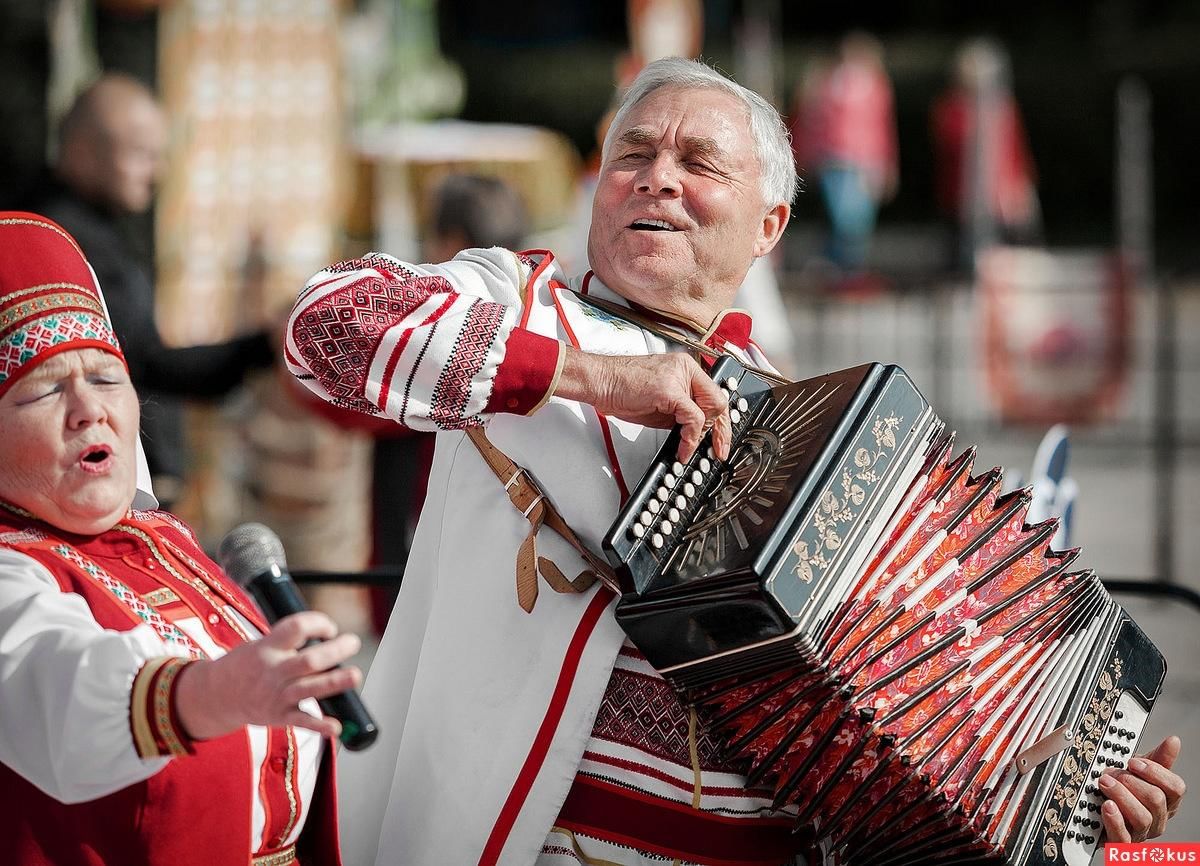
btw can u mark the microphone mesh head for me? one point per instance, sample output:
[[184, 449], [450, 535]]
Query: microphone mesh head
[[250, 550]]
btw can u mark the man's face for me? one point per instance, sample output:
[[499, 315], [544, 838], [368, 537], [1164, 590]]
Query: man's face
[[135, 142], [679, 213]]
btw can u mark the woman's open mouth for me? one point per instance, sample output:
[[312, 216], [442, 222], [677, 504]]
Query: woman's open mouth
[[96, 459]]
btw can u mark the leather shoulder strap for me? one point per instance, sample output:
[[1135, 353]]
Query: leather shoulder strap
[[535, 507]]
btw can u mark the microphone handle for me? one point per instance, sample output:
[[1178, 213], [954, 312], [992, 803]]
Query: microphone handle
[[278, 597], [358, 728]]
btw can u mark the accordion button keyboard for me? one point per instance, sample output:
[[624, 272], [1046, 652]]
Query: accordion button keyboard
[[1124, 726]]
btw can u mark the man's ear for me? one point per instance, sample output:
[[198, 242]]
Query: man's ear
[[774, 222]]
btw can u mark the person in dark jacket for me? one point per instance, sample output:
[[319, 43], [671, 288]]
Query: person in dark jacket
[[111, 145]]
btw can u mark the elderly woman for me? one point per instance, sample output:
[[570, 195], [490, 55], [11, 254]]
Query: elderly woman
[[144, 719]]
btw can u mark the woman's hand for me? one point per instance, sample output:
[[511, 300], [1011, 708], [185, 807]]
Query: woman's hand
[[1142, 797], [262, 682]]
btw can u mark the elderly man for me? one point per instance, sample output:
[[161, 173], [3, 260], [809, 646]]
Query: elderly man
[[110, 152], [517, 727], [144, 722]]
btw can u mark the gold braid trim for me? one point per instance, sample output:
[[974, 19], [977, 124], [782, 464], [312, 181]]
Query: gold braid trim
[[25, 221], [286, 857], [198, 584], [150, 702], [139, 716], [293, 804], [158, 597], [164, 688]]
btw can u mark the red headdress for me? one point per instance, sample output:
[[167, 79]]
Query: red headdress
[[49, 299]]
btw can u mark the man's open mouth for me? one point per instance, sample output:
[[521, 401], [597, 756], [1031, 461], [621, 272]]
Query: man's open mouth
[[652, 226]]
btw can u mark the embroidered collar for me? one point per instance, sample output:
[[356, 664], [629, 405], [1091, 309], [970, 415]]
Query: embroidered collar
[[731, 327]]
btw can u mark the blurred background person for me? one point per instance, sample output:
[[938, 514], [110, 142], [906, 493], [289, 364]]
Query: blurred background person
[[110, 149], [146, 719], [984, 170], [844, 133]]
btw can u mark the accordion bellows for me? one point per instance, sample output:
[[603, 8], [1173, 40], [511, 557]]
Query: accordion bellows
[[873, 631]]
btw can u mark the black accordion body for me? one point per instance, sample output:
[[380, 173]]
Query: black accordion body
[[876, 634]]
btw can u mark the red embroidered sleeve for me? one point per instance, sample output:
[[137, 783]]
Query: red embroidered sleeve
[[374, 336]]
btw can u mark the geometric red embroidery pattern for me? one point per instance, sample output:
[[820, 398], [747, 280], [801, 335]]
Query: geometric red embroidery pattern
[[168, 632], [339, 333], [475, 338], [643, 712], [31, 339]]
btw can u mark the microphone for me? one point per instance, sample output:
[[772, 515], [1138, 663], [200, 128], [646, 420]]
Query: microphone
[[253, 556]]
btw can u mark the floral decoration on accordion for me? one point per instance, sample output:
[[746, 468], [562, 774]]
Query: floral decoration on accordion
[[1074, 770], [836, 512]]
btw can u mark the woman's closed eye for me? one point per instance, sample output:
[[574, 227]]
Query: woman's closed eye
[[35, 394]]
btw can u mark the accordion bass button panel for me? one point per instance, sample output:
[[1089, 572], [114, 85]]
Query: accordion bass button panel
[[673, 491], [1085, 829]]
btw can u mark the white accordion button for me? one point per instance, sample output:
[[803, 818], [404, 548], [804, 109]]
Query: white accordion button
[[646, 518], [673, 515], [735, 416], [697, 478], [656, 540], [653, 505], [669, 480], [680, 501], [638, 530], [731, 383], [689, 489], [677, 468], [705, 464], [666, 527], [662, 493], [742, 404]]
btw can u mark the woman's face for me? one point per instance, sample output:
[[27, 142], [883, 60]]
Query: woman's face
[[68, 441]]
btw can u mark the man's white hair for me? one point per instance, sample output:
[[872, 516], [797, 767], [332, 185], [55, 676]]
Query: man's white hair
[[772, 143]]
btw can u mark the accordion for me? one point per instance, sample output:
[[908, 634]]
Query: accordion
[[875, 633]]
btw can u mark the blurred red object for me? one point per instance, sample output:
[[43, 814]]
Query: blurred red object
[[1057, 331]]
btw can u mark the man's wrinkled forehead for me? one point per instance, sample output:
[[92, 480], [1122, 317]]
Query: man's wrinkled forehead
[[700, 145]]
